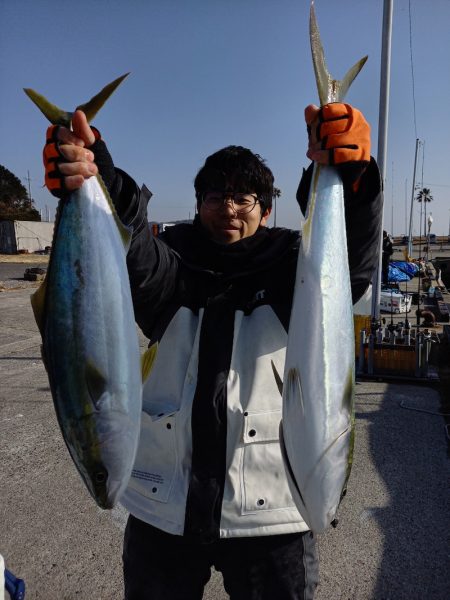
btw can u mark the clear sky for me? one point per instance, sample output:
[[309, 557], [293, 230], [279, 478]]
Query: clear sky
[[209, 73]]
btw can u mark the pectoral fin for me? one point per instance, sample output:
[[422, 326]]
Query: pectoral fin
[[96, 383]]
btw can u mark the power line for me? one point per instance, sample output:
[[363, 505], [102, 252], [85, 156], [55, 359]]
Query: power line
[[412, 69]]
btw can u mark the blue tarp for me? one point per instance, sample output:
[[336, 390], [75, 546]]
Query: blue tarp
[[407, 267], [395, 274], [401, 270]]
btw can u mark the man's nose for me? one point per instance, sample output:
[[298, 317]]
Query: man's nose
[[228, 204]]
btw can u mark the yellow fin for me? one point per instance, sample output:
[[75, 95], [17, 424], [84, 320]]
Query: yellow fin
[[147, 360], [38, 305]]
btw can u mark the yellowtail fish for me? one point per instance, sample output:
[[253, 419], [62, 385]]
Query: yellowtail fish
[[90, 344], [317, 429]]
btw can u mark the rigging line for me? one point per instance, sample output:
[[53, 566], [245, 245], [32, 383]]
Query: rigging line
[[412, 68]]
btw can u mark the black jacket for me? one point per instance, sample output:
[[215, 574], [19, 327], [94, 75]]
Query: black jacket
[[204, 297]]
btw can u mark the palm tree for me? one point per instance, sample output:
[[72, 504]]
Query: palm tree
[[276, 194], [424, 196]]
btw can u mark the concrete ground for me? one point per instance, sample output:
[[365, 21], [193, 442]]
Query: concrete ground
[[392, 541]]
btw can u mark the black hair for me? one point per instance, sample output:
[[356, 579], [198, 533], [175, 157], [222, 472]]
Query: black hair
[[237, 168]]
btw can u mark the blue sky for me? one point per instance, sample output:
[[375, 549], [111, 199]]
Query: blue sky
[[208, 73]]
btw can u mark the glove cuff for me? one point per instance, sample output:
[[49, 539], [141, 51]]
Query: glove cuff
[[97, 135], [104, 161]]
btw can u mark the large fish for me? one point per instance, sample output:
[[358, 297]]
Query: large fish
[[90, 343], [317, 430]]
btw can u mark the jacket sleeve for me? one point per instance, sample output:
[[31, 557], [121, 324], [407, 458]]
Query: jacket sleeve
[[152, 264], [363, 214]]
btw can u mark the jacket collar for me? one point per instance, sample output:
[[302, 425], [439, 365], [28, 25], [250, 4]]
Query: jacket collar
[[255, 253]]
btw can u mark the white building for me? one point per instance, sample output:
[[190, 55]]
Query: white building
[[25, 235]]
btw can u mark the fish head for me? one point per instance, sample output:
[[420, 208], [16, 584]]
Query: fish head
[[103, 447]]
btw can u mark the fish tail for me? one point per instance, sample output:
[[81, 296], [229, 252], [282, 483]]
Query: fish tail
[[57, 116], [330, 90]]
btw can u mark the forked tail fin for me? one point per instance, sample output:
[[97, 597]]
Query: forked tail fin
[[57, 116], [330, 90]]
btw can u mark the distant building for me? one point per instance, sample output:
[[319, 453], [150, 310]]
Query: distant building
[[25, 236], [157, 228]]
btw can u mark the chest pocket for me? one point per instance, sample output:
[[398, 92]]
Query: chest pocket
[[156, 459], [263, 479]]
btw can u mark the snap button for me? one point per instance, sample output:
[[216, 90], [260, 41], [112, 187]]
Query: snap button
[[261, 502], [252, 432], [169, 426]]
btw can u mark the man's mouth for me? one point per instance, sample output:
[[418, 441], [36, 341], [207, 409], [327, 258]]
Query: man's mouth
[[229, 227]]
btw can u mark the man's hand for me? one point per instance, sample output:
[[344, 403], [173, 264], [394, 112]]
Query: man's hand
[[67, 160], [338, 134]]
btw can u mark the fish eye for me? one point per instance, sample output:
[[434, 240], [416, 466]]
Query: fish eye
[[100, 477]]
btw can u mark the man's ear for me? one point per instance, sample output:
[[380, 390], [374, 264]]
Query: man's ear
[[265, 215]]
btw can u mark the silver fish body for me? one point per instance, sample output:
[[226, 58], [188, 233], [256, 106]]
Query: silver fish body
[[317, 430], [91, 346], [317, 425]]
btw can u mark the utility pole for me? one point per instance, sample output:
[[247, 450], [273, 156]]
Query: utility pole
[[28, 180]]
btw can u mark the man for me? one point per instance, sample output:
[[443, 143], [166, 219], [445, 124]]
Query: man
[[208, 486], [387, 252]]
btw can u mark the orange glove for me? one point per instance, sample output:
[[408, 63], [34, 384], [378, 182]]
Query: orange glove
[[52, 156], [339, 135]]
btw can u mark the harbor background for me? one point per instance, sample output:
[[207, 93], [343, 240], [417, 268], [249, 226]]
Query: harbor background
[[392, 539]]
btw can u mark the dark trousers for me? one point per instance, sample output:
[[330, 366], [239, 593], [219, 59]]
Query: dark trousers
[[161, 566]]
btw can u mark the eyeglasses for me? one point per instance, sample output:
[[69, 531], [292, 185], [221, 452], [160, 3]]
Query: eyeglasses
[[242, 203]]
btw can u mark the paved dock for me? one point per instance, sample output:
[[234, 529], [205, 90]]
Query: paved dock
[[392, 541]]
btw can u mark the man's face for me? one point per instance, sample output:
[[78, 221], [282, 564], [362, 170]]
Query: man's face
[[226, 223]]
